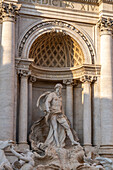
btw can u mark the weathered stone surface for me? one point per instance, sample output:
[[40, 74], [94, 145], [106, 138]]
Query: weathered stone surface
[[60, 158]]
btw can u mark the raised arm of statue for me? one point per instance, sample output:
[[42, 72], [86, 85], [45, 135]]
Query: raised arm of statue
[[19, 155], [48, 102]]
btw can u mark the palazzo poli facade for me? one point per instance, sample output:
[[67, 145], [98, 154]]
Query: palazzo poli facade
[[44, 42]]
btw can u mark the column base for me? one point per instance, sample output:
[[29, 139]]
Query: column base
[[87, 145], [106, 151], [21, 147]]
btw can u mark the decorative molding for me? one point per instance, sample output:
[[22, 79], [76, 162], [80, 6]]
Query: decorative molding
[[9, 10], [65, 73], [105, 24], [61, 24], [87, 78]]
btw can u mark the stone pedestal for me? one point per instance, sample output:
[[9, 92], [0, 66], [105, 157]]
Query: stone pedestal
[[7, 70]]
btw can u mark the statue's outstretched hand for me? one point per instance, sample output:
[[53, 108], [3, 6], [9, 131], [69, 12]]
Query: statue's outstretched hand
[[10, 143], [12, 147]]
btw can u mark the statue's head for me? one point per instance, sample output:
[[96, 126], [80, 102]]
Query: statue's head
[[58, 88], [58, 85]]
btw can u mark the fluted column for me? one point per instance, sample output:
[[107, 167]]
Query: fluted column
[[86, 110], [7, 69], [106, 84], [69, 100], [23, 113]]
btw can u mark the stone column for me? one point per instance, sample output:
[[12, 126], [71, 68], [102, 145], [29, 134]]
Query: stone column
[[7, 70], [96, 114], [69, 100], [106, 84], [86, 110], [23, 114], [31, 81]]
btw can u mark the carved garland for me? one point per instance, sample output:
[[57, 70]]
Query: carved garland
[[56, 23]]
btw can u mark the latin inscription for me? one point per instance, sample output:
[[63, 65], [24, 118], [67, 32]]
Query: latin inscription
[[64, 4]]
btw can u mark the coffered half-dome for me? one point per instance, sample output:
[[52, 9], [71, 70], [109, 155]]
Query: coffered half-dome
[[56, 50]]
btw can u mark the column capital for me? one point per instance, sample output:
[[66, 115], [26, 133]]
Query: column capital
[[24, 73], [70, 82], [9, 11], [88, 79], [105, 25], [32, 79]]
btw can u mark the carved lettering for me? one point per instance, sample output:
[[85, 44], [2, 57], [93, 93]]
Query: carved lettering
[[55, 3], [64, 4], [45, 2], [69, 4], [92, 8], [83, 7]]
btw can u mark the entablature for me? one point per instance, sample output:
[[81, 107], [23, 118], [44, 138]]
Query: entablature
[[54, 74], [60, 6]]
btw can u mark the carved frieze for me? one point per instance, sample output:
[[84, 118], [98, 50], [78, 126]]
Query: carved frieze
[[105, 24], [9, 10]]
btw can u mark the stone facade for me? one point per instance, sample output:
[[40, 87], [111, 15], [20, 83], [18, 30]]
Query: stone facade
[[51, 41]]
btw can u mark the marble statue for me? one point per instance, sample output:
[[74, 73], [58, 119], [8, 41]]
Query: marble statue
[[58, 123], [106, 162], [26, 160], [55, 143], [4, 163]]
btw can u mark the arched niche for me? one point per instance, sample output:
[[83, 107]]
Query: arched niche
[[56, 50], [47, 26]]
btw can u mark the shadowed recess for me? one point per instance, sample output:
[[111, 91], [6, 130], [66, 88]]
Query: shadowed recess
[[56, 50]]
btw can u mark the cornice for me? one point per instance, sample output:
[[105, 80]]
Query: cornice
[[105, 1], [86, 1], [66, 73]]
